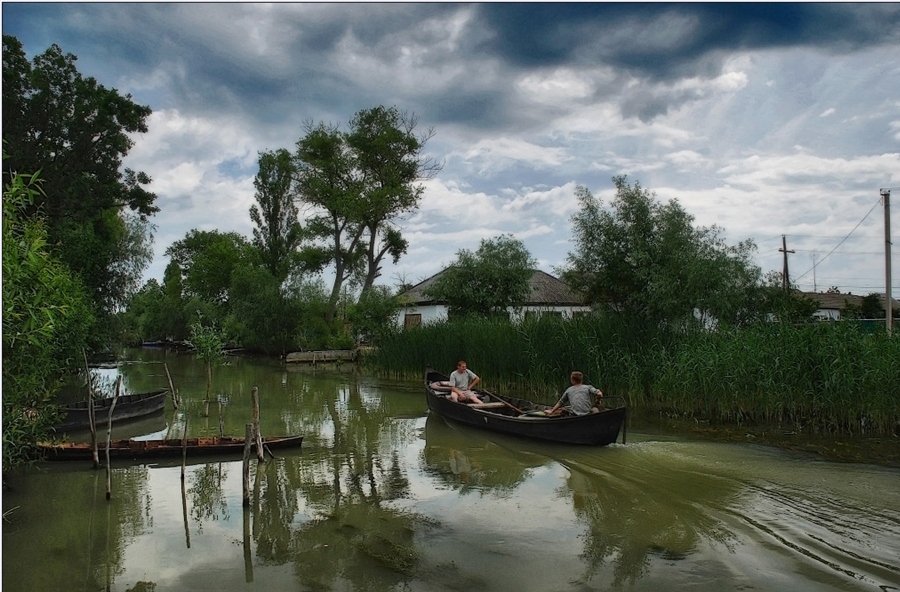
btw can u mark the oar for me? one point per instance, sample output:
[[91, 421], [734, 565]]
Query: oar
[[499, 398]]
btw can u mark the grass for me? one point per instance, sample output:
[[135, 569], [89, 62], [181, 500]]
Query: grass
[[822, 377]]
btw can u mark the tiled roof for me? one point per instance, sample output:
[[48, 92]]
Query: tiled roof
[[545, 290], [838, 301]]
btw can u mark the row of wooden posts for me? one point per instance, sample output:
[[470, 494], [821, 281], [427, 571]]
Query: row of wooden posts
[[252, 433]]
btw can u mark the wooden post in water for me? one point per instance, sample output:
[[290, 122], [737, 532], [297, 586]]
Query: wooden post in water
[[184, 513], [260, 453], [184, 446], [171, 387], [221, 421], [248, 552], [109, 423], [91, 421], [248, 439]]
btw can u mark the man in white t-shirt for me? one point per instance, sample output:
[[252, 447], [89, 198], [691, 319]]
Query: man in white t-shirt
[[462, 381]]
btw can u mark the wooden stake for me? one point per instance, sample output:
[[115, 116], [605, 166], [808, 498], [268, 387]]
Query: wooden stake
[[171, 387], [91, 420], [248, 438], [184, 446], [109, 423], [260, 453]]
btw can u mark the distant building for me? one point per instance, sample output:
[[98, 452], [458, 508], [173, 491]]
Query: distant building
[[831, 305], [549, 296]]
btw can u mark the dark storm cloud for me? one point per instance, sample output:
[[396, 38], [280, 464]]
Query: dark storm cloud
[[663, 40]]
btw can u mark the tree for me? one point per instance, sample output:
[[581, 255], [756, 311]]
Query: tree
[[208, 342], [871, 307], [77, 132], [326, 182], [647, 260], [488, 281], [358, 184], [390, 161], [206, 260], [278, 233], [46, 319]]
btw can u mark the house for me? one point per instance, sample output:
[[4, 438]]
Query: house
[[549, 296], [831, 305]]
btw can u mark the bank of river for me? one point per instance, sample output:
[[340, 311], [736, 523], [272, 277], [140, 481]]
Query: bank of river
[[383, 496]]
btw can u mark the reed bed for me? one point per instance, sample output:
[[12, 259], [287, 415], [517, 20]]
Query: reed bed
[[823, 377]]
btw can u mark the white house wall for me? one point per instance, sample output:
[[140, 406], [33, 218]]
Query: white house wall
[[436, 312]]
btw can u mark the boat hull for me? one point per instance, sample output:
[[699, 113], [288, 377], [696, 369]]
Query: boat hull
[[127, 407], [594, 429], [137, 449]]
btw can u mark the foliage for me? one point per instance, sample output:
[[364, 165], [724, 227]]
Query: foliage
[[817, 377], [374, 315], [326, 182], [390, 162], [871, 306], [262, 316], [206, 260], [647, 260], [488, 281], [77, 132], [358, 183], [46, 316], [208, 342], [278, 233]]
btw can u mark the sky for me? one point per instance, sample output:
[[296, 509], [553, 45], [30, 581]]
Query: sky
[[765, 120]]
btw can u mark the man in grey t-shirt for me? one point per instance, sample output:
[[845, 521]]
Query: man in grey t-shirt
[[462, 381], [580, 397]]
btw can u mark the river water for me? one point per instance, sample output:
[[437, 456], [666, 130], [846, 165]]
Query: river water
[[382, 496]]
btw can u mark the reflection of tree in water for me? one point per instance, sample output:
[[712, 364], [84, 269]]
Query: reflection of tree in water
[[345, 536], [207, 498], [469, 461], [631, 524]]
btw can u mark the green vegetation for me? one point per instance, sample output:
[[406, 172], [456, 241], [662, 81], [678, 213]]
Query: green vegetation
[[488, 281], [77, 132], [833, 377], [46, 316]]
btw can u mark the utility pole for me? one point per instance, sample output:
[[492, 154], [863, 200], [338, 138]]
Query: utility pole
[[785, 278], [888, 299]]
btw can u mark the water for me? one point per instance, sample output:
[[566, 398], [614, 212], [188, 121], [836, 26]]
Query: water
[[383, 496]]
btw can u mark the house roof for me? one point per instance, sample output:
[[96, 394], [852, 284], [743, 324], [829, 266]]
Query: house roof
[[838, 301], [546, 290]]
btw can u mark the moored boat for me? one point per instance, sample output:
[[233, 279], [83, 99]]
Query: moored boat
[[127, 407], [510, 415], [136, 449]]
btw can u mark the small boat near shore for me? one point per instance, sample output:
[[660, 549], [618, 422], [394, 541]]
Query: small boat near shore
[[138, 449], [127, 407], [510, 415]]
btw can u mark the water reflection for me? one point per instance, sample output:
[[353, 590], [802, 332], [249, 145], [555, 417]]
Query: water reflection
[[383, 496]]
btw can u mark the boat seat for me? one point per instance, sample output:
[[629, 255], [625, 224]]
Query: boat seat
[[497, 405]]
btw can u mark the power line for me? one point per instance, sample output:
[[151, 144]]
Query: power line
[[842, 241]]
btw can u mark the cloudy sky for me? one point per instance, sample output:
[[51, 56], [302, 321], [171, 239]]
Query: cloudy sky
[[763, 119]]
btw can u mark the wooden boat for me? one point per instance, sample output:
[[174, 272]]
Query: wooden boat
[[510, 415], [136, 449], [127, 407]]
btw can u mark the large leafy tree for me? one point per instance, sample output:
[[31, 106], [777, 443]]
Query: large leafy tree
[[488, 281], [206, 261], [278, 233], [358, 185], [390, 160], [647, 259], [327, 183], [76, 131]]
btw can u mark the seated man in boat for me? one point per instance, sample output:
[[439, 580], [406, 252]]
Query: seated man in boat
[[580, 398], [462, 381]]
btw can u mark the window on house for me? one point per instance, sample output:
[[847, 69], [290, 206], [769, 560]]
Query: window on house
[[412, 320]]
